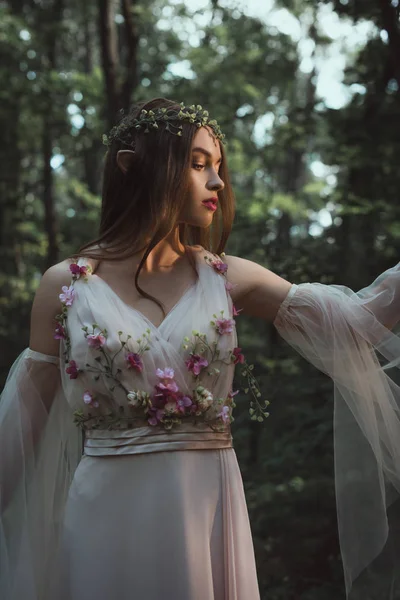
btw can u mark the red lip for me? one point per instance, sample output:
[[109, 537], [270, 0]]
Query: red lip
[[211, 203]]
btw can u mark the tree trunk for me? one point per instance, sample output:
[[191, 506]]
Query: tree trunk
[[10, 162], [52, 17], [50, 223], [10, 168], [120, 72], [90, 153], [390, 20], [131, 39], [109, 58]]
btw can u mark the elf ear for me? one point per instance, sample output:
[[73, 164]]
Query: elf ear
[[125, 159]]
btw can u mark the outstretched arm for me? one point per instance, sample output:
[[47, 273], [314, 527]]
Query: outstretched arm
[[260, 292], [347, 335], [257, 291]]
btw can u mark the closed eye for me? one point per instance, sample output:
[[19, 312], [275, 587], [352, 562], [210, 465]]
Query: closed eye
[[197, 166]]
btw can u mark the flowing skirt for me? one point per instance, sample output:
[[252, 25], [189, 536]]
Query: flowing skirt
[[158, 526]]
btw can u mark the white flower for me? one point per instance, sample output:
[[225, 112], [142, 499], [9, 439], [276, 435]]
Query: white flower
[[133, 398], [170, 407], [204, 397], [138, 398]]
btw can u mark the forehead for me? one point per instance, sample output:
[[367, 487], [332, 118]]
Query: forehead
[[205, 138]]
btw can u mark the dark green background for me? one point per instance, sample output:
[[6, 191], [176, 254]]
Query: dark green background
[[58, 64]]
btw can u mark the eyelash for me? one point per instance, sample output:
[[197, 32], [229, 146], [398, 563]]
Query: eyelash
[[195, 165]]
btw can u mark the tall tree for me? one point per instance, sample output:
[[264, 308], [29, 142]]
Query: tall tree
[[51, 17], [119, 61]]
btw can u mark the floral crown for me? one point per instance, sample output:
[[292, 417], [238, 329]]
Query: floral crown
[[148, 121]]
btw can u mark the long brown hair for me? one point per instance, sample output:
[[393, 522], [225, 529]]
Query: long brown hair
[[145, 202]]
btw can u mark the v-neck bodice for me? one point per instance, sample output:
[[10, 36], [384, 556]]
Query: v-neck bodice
[[115, 349], [190, 288]]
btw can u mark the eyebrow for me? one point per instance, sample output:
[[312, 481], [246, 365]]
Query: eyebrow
[[206, 152]]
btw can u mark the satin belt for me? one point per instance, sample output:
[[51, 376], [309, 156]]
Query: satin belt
[[100, 442]]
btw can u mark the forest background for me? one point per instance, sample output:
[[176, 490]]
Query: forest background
[[315, 168]]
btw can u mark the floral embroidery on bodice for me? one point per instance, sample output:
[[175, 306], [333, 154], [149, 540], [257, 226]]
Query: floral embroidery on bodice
[[120, 371]]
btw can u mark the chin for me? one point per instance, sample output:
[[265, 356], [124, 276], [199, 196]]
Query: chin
[[202, 222]]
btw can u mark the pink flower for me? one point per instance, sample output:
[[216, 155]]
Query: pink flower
[[224, 325], [157, 415], [184, 402], [96, 341], [225, 414], [229, 286], [167, 373], [159, 400], [167, 388], [68, 296], [219, 266], [88, 399], [239, 357], [231, 394], [134, 361], [196, 363], [77, 270], [235, 311], [193, 409], [59, 332], [72, 370]]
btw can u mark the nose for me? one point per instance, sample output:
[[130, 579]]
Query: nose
[[215, 183]]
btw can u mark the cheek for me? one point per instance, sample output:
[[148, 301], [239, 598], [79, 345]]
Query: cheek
[[193, 213], [196, 184], [195, 177]]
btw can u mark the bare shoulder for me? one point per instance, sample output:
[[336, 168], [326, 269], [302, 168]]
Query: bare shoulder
[[257, 290], [245, 274], [46, 306], [53, 280], [241, 268]]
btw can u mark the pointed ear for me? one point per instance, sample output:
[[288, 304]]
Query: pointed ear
[[125, 159]]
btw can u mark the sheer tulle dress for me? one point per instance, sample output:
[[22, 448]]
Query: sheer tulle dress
[[102, 500], [146, 512]]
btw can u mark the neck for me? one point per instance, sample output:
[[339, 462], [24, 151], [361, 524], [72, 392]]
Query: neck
[[165, 253]]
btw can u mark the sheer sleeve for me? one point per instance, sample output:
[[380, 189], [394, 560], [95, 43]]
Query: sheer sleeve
[[350, 336], [40, 448]]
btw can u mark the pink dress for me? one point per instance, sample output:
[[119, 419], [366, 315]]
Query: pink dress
[[150, 512], [118, 478]]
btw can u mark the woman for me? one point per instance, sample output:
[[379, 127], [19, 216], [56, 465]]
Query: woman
[[131, 355]]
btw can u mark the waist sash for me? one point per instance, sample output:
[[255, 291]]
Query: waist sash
[[140, 440]]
